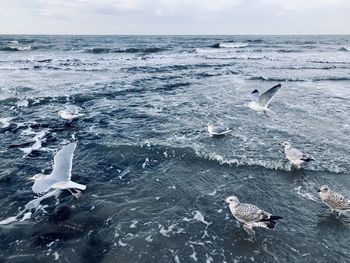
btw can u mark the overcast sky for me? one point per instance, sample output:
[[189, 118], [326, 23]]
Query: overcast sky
[[175, 17]]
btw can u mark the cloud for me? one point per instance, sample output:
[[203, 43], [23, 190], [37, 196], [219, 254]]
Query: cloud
[[301, 5], [175, 16]]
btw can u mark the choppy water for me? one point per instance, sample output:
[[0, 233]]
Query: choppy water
[[155, 179]]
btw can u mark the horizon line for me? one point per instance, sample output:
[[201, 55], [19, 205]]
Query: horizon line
[[45, 34]]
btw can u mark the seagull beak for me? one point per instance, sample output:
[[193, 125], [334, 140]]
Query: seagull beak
[[318, 190]]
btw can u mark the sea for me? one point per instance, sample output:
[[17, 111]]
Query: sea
[[155, 178]]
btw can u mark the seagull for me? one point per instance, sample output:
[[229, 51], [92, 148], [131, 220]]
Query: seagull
[[216, 130], [295, 156], [70, 113], [60, 177], [251, 215], [335, 201], [260, 103]]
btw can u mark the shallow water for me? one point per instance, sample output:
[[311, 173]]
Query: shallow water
[[155, 179]]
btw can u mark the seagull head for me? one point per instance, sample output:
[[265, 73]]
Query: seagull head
[[232, 200], [323, 189], [61, 112], [286, 144], [36, 177]]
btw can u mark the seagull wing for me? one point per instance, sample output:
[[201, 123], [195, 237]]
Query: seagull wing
[[43, 185], [338, 201], [265, 98], [294, 154], [254, 96], [250, 213], [63, 159]]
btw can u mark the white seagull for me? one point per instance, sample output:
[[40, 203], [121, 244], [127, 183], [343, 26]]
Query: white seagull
[[70, 113], [251, 215], [295, 156], [217, 130], [60, 177], [260, 103], [335, 201]]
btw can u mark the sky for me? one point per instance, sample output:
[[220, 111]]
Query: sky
[[173, 17]]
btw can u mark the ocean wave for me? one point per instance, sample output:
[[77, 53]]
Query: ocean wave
[[289, 50], [214, 74], [199, 155], [257, 41], [102, 50], [44, 60], [171, 68], [16, 48], [328, 62], [278, 79], [230, 45], [344, 49], [237, 57]]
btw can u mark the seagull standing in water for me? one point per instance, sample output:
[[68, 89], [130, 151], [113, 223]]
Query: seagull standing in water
[[261, 102], [251, 215], [217, 130], [60, 177], [335, 201], [295, 156]]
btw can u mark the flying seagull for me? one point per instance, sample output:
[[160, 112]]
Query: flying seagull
[[335, 201], [60, 177], [261, 102], [251, 215], [295, 156], [217, 130]]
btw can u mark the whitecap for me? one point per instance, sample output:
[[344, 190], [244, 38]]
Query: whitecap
[[5, 122], [233, 45]]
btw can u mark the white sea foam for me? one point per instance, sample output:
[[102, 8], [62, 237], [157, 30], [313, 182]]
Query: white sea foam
[[233, 45], [165, 232], [38, 139], [199, 217], [5, 122], [194, 254]]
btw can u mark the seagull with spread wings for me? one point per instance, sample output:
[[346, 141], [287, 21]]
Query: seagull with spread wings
[[60, 177], [261, 102]]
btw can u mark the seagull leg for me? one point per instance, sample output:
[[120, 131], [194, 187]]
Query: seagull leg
[[249, 229], [266, 114], [76, 194]]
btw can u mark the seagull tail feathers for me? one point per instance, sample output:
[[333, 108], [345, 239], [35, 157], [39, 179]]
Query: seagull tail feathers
[[271, 222], [275, 217], [307, 159]]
